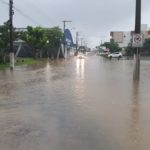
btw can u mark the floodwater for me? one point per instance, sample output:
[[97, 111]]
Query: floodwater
[[75, 104]]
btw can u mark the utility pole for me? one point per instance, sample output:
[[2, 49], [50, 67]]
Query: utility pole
[[82, 44], [64, 22], [101, 43], [77, 34], [11, 12], [136, 74]]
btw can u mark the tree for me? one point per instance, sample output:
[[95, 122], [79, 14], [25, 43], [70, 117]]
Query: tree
[[4, 41], [130, 49], [35, 37], [113, 46], [39, 38], [54, 36], [146, 45]]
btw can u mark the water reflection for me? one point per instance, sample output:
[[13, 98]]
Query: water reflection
[[80, 68], [75, 104], [79, 82], [47, 70], [134, 142]]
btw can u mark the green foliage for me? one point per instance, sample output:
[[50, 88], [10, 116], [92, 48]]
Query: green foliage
[[4, 41], [113, 46], [35, 37], [130, 49], [4, 66], [146, 45], [39, 38], [100, 49], [21, 61], [4, 36], [54, 36], [26, 61]]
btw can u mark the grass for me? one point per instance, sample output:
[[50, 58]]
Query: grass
[[21, 61], [4, 66], [26, 61]]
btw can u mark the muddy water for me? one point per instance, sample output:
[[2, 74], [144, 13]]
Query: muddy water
[[73, 104]]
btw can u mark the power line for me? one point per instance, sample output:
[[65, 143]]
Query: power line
[[4, 2], [22, 13], [26, 16], [40, 11]]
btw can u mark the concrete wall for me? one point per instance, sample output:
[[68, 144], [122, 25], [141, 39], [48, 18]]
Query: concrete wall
[[122, 38]]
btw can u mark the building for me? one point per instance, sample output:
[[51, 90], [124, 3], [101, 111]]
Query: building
[[123, 38]]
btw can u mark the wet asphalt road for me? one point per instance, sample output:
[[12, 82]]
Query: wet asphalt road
[[75, 104]]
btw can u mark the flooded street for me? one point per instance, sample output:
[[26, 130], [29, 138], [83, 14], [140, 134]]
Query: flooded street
[[75, 104]]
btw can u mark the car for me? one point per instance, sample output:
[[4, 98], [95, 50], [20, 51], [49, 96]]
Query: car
[[103, 54], [80, 56], [115, 55]]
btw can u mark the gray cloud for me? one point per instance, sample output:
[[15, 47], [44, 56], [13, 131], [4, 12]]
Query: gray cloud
[[95, 18]]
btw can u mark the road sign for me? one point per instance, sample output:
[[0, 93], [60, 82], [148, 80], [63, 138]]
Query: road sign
[[137, 40]]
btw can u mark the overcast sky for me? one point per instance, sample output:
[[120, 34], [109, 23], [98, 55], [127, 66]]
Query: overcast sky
[[94, 19]]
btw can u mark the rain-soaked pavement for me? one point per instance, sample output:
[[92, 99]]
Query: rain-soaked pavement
[[75, 104]]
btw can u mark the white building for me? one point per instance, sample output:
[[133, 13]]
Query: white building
[[123, 38]]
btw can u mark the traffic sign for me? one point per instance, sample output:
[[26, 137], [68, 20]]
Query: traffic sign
[[137, 40]]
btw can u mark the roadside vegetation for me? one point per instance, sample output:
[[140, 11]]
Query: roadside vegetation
[[112, 46], [37, 38], [129, 50], [4, 66], [21, 61], [27, 61]]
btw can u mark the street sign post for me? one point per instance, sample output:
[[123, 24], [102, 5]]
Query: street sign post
[[137, 40]]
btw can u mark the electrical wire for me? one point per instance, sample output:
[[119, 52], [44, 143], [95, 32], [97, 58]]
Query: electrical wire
[[22, 13], [26, 16], [4, 2]]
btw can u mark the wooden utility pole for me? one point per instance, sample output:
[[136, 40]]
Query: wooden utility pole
[[136, 74], [11, 12]]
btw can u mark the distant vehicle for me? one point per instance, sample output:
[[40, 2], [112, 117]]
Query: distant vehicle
[[81, 56], [103, 53], [115, 55]]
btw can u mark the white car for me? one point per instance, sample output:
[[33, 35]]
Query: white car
[[115, 55]]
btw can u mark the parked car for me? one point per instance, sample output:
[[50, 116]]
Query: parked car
[[115, 55]]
